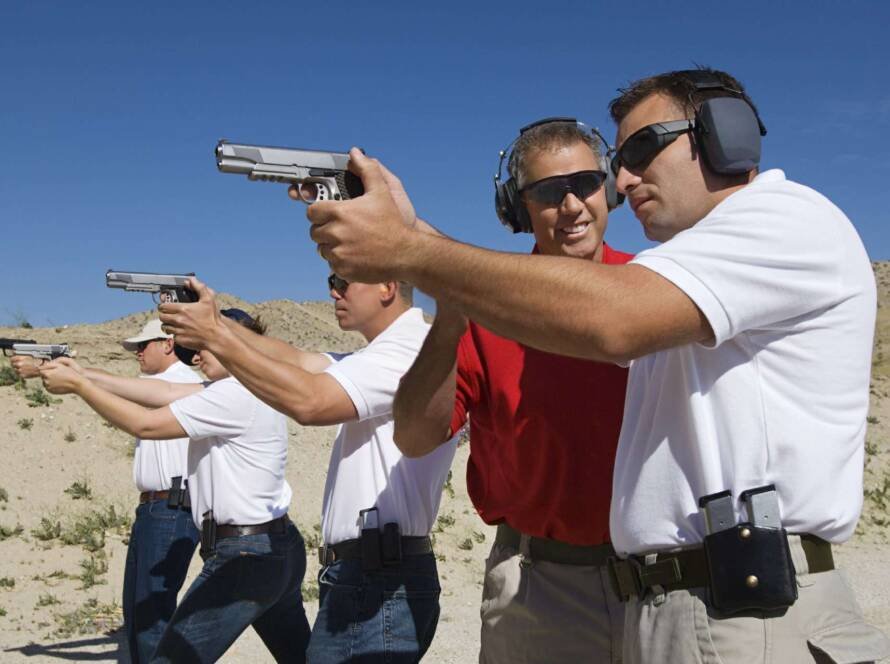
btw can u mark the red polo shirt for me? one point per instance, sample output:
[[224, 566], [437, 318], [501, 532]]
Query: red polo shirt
[[543, 433]]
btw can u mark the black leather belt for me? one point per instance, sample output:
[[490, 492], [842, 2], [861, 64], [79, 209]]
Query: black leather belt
[[352, 549], [276, 527], [685, 569], [554, 551]]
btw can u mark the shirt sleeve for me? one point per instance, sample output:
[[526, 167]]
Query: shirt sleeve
[[755, 262], [224, 409], [467, 388], [371, 376]]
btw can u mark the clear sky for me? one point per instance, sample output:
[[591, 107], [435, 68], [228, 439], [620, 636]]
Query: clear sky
[[109, 113]]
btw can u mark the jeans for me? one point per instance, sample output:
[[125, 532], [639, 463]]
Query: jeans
[[162, 542], [388, 615], [248, 580]]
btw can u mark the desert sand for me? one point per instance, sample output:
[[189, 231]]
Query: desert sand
[[66, 497]]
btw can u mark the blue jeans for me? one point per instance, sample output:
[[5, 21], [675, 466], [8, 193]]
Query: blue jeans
[[249, 580], [162, 542], [388, 615]]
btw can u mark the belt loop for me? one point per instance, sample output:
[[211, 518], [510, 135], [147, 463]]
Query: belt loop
[[798, 556], [525, 550]]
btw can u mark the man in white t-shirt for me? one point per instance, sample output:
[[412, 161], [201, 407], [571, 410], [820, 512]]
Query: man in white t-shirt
[[379, 586], [750, 333], [254, 557], [163, 537]]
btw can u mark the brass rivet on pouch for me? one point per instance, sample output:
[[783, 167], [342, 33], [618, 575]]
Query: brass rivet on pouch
[[745, 533], [752, 581]]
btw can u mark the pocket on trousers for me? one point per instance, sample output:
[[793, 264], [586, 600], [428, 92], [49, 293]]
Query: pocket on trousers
[[851, 643]]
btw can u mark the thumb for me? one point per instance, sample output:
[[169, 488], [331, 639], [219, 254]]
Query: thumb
[[203, 291], [367, 169]]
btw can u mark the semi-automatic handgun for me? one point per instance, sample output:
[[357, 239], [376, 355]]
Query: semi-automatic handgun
[[170, 287], [42, 351], [7, 344], [318, 175]]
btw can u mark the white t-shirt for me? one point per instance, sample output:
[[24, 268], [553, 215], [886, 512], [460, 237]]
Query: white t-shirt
[[237, 454], [367, 469], [780, 397], [155, 462]]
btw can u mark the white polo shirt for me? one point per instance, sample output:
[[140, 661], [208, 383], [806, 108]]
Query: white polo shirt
[[366, 469], [780, 397], [237, 454], [155, 462]]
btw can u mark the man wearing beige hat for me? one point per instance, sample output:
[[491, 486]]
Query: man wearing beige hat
[[163, 537]]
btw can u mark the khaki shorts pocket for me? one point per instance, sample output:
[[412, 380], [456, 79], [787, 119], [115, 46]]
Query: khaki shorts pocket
[[852, 643]]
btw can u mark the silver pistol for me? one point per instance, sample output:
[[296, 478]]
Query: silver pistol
[[168, 287], [318, 175]]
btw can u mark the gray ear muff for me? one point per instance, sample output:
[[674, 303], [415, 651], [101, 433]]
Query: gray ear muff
[[728, 134], [613, 198], [510, 211]]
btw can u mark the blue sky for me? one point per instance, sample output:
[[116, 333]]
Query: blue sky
[[110, 112]]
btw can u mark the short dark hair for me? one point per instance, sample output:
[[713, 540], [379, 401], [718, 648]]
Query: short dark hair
[[547, 136], [678, 86], [244, 319], [406, 292]]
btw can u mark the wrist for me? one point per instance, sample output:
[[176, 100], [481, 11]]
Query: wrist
[[220, 341], [409, 259]]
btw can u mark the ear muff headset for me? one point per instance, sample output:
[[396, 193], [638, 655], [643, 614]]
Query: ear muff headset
[[507, 203], [727, 128]]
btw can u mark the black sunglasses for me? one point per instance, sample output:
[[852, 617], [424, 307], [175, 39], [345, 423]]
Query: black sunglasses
[[142, 345], [337, 284], [552, 190], [645, 143]]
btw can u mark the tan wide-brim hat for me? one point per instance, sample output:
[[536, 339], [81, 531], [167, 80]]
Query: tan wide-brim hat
[[152, 330]]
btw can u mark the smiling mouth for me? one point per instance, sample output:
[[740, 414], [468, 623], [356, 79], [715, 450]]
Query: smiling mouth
[[575, 229]]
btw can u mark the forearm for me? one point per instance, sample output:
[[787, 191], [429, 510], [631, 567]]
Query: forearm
[[124, 414], [276, 349], [285, 387], [424, 402], [148, 392], [560, 305]]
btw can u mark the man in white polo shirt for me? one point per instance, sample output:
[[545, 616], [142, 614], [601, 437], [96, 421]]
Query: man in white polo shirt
[[750, 334], [254, 557], [163, 537], [379, 586]]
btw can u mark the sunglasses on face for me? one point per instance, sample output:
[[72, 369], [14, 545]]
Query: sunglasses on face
[[552, 190], [337, 284], [142, 345], [642, 145]]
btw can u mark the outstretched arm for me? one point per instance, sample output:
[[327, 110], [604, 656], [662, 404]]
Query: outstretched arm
[[149, 392], [298, 388], [570, 307], [425, 401], [153, 424]]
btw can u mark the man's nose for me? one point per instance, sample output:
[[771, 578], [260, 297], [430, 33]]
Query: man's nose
[[625, 180], [571, 204]]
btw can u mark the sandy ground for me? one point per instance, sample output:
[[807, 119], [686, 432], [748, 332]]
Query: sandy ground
[[47, 613]]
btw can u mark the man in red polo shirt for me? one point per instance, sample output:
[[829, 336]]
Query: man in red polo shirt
[[543, 428]]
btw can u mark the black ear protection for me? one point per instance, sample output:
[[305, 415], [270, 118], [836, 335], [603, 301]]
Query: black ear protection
[[727, 129], [511, 210]]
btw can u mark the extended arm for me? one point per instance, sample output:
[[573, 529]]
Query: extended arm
[[570, 307], [153, 424], [299, 389], [309, 398], [425, 400], [278, 350], [148, 392]]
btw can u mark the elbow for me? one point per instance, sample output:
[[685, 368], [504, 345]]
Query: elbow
[[307, 411], [416, 439], [407, 442], [617, 346]]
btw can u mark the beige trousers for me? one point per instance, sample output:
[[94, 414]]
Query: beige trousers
[[536, 612], [824, 625]]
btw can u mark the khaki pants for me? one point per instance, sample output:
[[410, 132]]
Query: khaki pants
[[824, 625], [536, 612]]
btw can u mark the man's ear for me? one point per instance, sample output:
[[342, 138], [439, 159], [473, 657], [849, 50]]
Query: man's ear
[[168, 346], [389, 290]]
